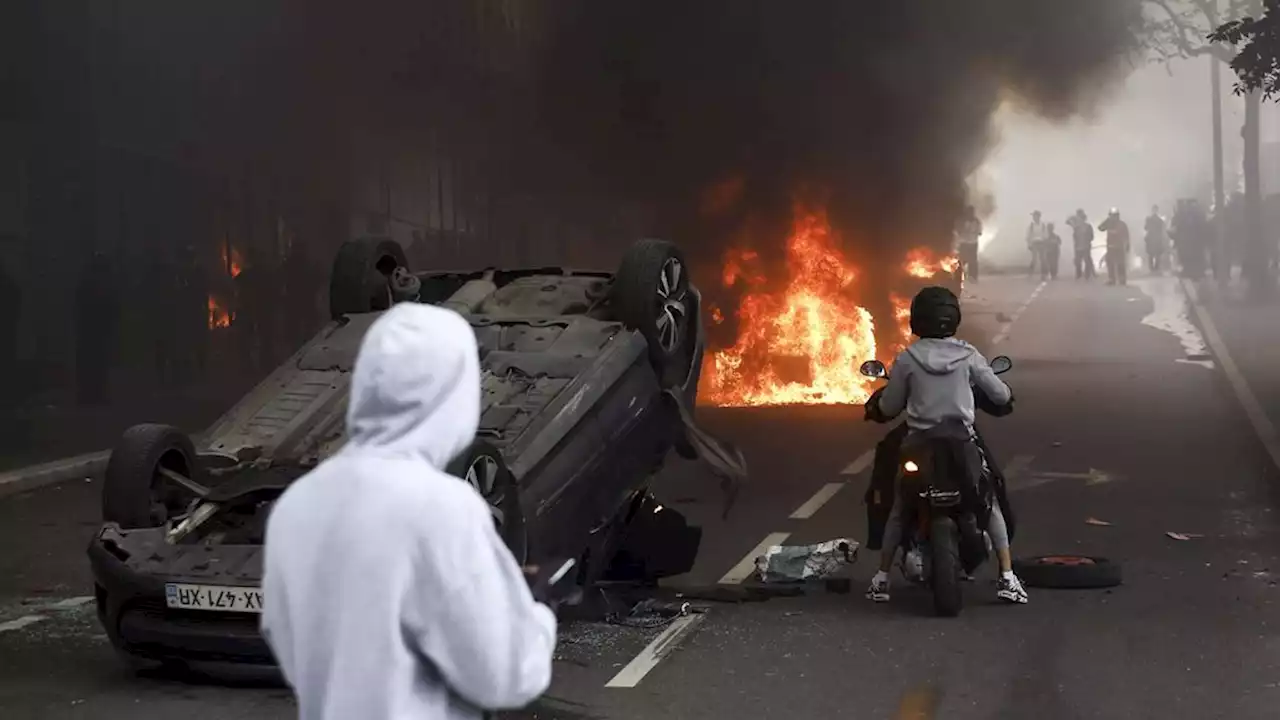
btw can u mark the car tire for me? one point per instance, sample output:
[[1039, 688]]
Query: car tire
[[360, 279], [483, 467], [133, 493], [1068, 572], [651, 293]]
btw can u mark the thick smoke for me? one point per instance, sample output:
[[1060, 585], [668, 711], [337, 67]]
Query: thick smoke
[[717, 113]]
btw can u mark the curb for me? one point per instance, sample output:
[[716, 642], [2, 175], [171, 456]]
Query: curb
[[1262, 426], [57, 472]]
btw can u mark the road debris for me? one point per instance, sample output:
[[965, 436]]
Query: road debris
[[1096, 522], [798, 563], [1183, 536]]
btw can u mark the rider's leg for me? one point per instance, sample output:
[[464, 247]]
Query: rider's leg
[[1008, 587], [878, 590]]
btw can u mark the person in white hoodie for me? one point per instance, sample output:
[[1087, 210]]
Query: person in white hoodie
[[934, 380], [388, 592]]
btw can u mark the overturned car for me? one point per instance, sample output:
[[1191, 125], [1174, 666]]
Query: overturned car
[[587, 379]]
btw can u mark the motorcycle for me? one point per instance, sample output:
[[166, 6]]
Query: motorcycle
[[942, 541]]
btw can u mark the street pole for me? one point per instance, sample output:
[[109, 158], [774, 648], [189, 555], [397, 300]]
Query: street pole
[[1219, 193]]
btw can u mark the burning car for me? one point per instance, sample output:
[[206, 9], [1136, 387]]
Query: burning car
[[588, 380]]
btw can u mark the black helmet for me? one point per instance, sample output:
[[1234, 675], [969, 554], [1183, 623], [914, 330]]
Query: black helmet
[[935, 313]]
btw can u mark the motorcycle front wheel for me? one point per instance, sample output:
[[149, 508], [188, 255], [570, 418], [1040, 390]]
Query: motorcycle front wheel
[[944, 541]]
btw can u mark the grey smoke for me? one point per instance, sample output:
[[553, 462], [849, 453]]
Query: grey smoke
[[885, 106]]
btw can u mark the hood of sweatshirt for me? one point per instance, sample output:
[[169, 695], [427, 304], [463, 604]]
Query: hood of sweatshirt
[[415, 389], [940, 356]]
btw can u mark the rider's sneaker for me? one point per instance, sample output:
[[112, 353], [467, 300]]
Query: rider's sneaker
[[1009, 588], [878, 591]]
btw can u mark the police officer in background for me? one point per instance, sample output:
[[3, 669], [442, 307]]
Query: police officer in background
[[1082, 245], [1117, 248], [968, 231]]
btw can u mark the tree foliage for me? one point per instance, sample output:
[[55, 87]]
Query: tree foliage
[[1257, 62]]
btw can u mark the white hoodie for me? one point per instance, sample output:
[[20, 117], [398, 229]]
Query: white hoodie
[[389, 594]]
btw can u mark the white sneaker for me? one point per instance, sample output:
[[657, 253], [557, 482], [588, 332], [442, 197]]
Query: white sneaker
[[878, 591], [1009, 588]]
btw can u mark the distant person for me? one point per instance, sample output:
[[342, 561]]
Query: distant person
[[97, 324], [1117, 248], [1154, 240], [1037, 234], [1052, 254], [389, 593], [1082, 245], [1190, 235], [968, 232]]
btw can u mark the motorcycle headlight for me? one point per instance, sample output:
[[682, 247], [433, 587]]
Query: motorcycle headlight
[[910, 466]]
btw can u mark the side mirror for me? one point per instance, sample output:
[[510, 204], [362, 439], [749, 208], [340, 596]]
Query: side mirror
[[1001, 364], [873, 369]]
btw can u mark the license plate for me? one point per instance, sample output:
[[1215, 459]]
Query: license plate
[[220, 598]]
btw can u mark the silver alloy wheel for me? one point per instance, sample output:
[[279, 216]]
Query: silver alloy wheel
[[482, 474], [672, 313]]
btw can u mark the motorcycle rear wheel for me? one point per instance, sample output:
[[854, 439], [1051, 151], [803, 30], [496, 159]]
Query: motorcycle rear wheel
[[944, 540]]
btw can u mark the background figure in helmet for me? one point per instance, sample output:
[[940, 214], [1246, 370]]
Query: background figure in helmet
[[1117, 248], [1156, 243], [1037, 235], [968, 232], [1082, 245], [934, 380]]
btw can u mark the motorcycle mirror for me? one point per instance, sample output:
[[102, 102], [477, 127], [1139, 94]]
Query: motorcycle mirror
[[1001, 364], [873, 369]]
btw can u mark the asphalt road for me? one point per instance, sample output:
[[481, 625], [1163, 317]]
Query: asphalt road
[[1191, 634]]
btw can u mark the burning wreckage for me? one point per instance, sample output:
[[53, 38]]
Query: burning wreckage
[[588, 381]]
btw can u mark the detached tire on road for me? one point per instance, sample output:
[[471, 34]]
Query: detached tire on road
[[360, 281], [482, 467], [134, 495], [1068, 572], [651, 294]]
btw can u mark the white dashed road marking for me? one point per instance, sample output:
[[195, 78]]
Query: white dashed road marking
[[1004, 331], [815, 503], [1262, 425], [59, 605], [70, 603], [648, 659], [862, 463], [747, 565], [20, 622]]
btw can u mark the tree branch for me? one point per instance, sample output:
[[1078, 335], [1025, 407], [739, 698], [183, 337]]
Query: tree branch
[[1182, 32]]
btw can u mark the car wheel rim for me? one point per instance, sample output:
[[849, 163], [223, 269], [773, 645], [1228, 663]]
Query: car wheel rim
[[482, 474], [672, 312]]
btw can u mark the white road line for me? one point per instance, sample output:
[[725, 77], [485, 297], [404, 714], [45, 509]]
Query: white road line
[[815, 503], [20, 622], [70, 603], [1262, 425], [747, 565], [1004, 331], [862, 463], [648, 659]]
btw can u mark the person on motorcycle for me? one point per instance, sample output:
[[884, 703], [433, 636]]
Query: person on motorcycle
[[935, 380]]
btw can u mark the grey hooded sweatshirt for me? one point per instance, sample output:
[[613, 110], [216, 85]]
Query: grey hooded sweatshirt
[[389, 594], [933, 379]]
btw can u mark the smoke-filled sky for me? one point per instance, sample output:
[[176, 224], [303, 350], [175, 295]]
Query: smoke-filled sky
[[1149, 143], [886, 106]]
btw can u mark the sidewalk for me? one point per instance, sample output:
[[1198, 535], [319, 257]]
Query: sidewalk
[[1251, 332]]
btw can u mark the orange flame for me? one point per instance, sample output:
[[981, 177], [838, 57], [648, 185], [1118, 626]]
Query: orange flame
[[232, 262], [219, 317], [924, 264], [800, 346]]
